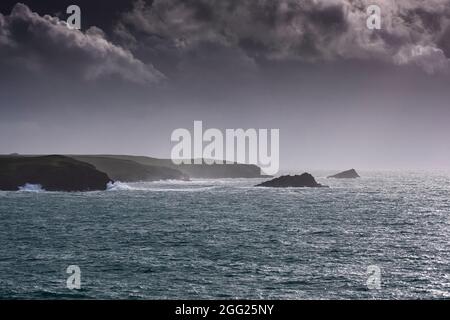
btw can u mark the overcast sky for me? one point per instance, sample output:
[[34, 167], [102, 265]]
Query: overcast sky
[[342, 95]]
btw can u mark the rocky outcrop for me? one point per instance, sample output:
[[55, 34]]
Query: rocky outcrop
[[297, 181], [349, 174], [53, 173]]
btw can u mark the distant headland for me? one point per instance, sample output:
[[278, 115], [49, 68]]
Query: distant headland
[[93, 172]]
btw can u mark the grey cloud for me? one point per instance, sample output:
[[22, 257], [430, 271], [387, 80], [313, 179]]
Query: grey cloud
[[308, 30], [431, 59], [45, 43]]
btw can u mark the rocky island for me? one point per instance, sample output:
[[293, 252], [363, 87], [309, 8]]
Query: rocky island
[[52, 173], [349, 174], [297, 181]]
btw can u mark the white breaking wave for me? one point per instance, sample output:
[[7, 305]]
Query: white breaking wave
[[179, 189], [118, 186], [153, 186], [29, 187]]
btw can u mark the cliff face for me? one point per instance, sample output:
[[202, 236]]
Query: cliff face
[[53, 173], [201, 171], [131, 171], [304, 180]]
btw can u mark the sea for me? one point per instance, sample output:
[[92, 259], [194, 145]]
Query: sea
[[383, 236]]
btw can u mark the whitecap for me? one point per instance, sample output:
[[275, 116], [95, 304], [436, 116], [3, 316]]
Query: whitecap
[[150, 186], [29, 187], [194, 189], [118, 186]]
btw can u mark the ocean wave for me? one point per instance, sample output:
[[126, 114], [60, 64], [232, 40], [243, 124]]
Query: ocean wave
[[29, 187], [180, 189], [195, 181], [150, 186], [118, 186]]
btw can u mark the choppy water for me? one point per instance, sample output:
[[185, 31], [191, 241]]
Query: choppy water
[[227, 239]]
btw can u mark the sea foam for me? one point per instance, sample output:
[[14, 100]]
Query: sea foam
[[29, 187], [118, 186], [155, 186]]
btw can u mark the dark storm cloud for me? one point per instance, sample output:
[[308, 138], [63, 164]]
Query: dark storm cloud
[[99, 13], [276, 29], [168, 33], [46, 44], [413, 32]]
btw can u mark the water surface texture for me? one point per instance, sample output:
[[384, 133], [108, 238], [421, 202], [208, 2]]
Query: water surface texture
[[227, 239]]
